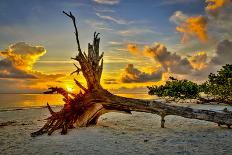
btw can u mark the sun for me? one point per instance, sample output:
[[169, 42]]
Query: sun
[[69, 89]]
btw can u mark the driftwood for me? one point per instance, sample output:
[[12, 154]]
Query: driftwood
[[214, 100], [84, 109]]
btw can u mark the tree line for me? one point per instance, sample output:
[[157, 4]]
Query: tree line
[[217, 88]]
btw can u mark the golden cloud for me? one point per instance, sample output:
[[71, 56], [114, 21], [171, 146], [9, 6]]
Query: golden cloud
[[110, 81], [154, 50], [213, 6], [18, 60], [132, 48], [199, 61], [193, 27], [132, 74], [169, 61], [16, 68], [22, 55]]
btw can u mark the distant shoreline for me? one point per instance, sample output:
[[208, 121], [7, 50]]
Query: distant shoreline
[[51, 94], [21, 93]]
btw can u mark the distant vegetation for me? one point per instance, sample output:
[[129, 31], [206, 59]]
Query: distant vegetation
[[218, 88]]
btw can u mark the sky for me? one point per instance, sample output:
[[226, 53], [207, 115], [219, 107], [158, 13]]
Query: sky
[[144, 42]]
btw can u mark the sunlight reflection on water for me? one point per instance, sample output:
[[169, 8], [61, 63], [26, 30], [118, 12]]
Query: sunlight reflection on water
[[29, 100], [36, 100]]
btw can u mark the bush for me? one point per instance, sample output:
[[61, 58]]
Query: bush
[[218, 86], [176, 89]]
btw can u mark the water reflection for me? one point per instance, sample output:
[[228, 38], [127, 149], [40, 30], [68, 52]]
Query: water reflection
[[29, 100], [35, 100]]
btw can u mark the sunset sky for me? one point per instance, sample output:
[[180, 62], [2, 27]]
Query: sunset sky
[[144, 41]]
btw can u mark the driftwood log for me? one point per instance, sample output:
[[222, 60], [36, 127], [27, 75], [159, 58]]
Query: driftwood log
[[84, 109]]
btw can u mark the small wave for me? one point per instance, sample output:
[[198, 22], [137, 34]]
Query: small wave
[[3, 110], [24, 108], [15, 123], [7, 123]]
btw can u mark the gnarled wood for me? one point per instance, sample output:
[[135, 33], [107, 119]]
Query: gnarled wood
[[84, 109]]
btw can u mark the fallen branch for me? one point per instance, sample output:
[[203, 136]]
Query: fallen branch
[[84, 109]]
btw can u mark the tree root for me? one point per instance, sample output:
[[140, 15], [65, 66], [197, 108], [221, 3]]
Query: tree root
[[70, 118], [84, 109]]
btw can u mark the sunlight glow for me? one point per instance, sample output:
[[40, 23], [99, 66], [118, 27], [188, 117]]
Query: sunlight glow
[[69, 89]]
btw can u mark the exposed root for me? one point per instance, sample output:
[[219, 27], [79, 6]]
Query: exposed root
[[215, 100], [69, 117], [84, 109], [63, 119]]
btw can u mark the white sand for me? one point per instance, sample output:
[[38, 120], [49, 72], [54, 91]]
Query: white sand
[[116, 133]]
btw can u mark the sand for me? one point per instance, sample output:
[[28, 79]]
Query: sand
[[116, 133]]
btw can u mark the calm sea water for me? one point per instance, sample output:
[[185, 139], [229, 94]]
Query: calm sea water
[[37, 100]]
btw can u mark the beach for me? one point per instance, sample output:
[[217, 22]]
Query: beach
[[115, 133]]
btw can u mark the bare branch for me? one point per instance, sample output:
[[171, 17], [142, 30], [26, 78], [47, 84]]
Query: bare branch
[[57, 90], [77, 70], [50, 109], [86, 57], [97, 35], [76, 31], [76, 58], [101, 56], [79, 85]]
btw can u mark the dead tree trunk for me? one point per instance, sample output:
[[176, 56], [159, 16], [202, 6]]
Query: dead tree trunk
[[85, 108]]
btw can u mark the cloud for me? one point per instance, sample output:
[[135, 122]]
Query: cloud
[[132, 48], [115, 43], [18, 60], [217, 22], [173, 2], [189, 27], [107, 2], [178, 17], [17, 86], [221, 23], [16, 70], [20, 85], [98, 25], [8, 70], [199, 60], [135, 31], [103, 10], [133, 91], [213, 7], [223, 53], [169, 61], [22, 55], [205, 65], [110, 81], [195, 67], [132, 74], [112, 19]]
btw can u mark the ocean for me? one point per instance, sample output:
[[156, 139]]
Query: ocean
[[38, 100]]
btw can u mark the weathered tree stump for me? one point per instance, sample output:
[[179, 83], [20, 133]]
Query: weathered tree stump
[[84, 109]]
